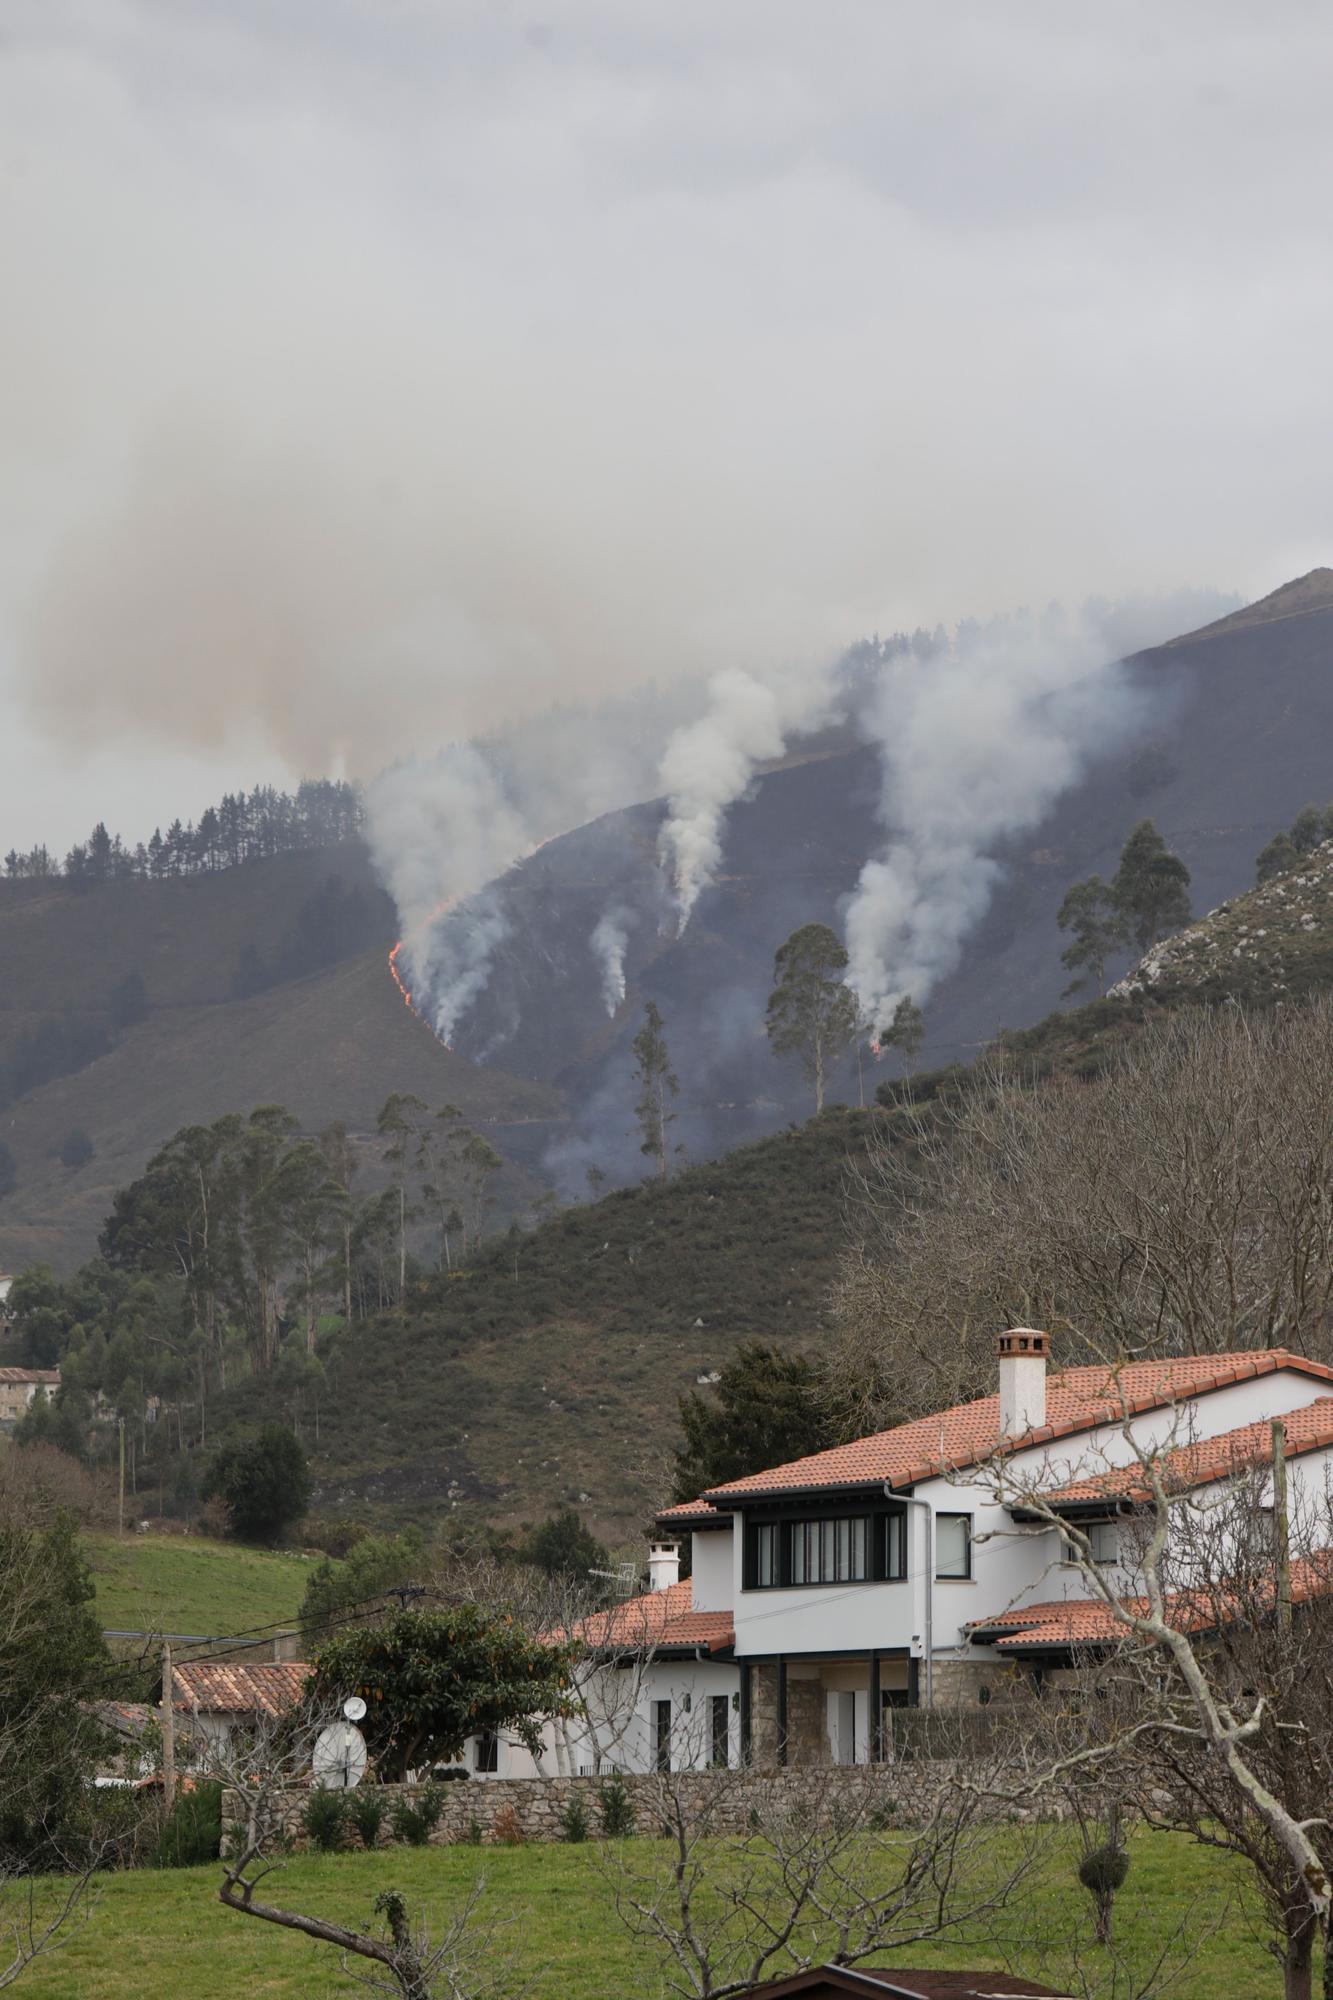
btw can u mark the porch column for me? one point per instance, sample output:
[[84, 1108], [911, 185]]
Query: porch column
[[875, 1731], [746, 1725], [782, 1709]]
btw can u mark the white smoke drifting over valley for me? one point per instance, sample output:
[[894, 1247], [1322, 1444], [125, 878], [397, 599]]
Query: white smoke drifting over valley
[[709, 764]]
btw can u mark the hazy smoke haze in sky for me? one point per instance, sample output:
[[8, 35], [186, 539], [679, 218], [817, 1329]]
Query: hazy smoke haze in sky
[[375, 375]]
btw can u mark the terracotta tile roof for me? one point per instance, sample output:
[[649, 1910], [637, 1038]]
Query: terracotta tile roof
[[661, 1620], [16, 1377], [126, 1718], [1210, 1459], [231, 1687], [1089, 1621], [1076, 1399], [691, 1513]]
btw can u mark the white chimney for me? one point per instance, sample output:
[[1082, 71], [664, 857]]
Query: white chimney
[[1022, 1351], [663, 1565]]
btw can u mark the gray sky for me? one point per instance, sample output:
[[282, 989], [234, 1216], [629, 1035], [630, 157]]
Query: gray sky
[[372, 371]]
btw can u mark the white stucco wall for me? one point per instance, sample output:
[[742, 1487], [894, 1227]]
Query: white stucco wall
[[710, 1570], [621, 1706]]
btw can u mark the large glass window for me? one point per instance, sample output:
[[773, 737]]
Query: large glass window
[[953, 1545], [857, 1548]]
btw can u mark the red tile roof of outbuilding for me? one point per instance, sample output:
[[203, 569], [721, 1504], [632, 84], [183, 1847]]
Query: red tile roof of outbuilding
[[232, 1687]]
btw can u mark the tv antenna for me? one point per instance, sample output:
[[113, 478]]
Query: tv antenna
[[624, 1576]]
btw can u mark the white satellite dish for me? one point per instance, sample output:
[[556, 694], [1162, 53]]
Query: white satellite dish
[[354, 1708], [340, 1756]]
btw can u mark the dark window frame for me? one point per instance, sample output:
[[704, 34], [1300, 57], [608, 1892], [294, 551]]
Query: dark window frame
[[488, 1751], [719, 1748], [663, 1719], [963, 1575], [770, 1534]]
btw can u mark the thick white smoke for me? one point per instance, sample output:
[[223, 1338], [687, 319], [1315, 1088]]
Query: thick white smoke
[[709, 763], [976, 743], [610, 940], [439, 830]]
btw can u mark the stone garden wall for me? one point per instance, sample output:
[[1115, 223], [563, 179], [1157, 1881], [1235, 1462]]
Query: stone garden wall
[[499, 1811]]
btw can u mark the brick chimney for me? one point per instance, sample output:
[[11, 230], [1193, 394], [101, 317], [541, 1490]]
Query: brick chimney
[[1022, 1351], [663, 1565]]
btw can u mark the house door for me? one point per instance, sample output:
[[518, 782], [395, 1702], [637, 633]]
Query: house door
[[662, 1735]]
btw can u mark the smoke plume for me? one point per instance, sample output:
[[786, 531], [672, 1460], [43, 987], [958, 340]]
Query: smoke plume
[[439, 830], [709, 763], [610, 940], [977, 742]]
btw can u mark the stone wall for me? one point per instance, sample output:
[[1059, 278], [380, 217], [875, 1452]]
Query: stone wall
[[499, 1811]]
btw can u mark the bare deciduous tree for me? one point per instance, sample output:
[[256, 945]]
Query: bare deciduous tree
[[849, 1863], [1182, 1203], [1219, 1693], [259, 1770]]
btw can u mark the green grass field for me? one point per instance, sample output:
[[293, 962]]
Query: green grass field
[[177, 1583], [156, 1935]]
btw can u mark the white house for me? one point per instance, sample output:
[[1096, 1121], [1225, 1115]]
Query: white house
[[891, 1572]]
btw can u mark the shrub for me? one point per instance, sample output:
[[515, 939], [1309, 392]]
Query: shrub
[[1103, 1870], [431, 1804], [325, 1819], [507, 1830], [616, 1806], [192, 1831], [368, 1809], [472, 1838], [410, 1824], [574, 1821]]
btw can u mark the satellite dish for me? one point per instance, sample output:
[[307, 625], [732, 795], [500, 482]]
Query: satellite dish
[[354, 1708], [340, 1756]]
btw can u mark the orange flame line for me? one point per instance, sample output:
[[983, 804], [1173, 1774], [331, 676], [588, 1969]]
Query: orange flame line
[[441, 910]]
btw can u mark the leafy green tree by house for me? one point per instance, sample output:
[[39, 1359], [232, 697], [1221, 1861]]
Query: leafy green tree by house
[[263, 1482], [358, 1581], [811, 1011], [1100, 931], [431, 1679], [658, 1087], [1151, 886], [563, 1546], [764, 1409]]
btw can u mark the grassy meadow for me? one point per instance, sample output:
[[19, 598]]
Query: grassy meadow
[[187, 1583], [154, 1935]]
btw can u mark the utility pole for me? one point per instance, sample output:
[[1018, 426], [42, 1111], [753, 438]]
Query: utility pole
[[168, 1729], [1281, 1525], [120, 1503]]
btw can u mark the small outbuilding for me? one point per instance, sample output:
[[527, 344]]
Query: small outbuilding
[[893, 1982]]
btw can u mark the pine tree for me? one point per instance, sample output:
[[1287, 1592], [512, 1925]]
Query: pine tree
[[657, 1086], [811, 1012], [1091, 912], [1151, 886]]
